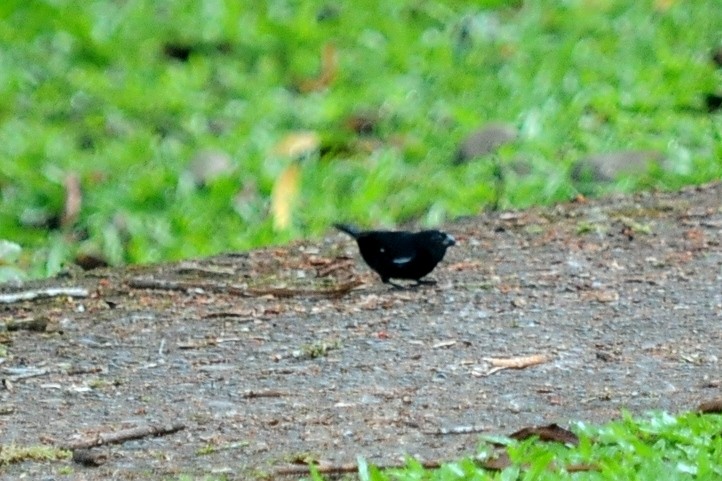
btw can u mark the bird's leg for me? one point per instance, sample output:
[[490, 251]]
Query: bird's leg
[[425, 282], [386, 280]]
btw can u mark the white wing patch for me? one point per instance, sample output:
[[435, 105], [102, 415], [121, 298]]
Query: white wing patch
[[402, 260]]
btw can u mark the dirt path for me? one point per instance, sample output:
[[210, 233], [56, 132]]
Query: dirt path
[[624, 295]]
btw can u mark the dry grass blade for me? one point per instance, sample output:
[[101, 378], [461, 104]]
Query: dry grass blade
[[284, 194]]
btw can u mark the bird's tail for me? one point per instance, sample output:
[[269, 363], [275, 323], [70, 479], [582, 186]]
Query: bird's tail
[[349, 229]]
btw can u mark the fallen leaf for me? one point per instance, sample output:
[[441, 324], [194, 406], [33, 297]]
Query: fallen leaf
[[550, 433], [711, 407], [522, 362], [90, 260], [499, 463], [519, 362]]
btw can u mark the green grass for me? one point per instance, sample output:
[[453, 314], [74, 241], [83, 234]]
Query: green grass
[[655, 447], [659, 447], [12, 453], [85, 88]]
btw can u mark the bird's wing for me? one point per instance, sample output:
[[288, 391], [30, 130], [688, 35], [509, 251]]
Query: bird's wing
[[399, 250], [391, 254], [400, 261]]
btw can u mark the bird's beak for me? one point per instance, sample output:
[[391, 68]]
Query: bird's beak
[[449, 241]]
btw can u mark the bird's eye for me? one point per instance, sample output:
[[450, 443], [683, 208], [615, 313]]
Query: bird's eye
[[381, 249]]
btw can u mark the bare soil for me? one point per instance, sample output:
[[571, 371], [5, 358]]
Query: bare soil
[[623, 294]]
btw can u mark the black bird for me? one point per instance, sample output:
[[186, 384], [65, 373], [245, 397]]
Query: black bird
[[400, 254]]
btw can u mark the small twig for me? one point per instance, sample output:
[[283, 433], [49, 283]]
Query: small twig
[[335, 292], [473, 429], [522, 362], [303, 470], [206, 342], [77, 371], [18, 374], [195, 345], [124, 435], [166, 285], [334, 266], [161, 284], [242, 318], [205, 271], [266, 393], [229, 339], [25, 373], [33, 294]]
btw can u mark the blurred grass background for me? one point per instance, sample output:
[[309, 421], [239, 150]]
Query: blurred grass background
[[135, 131]]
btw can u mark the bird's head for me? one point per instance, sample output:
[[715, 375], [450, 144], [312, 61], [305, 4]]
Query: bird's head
[[441, 239]]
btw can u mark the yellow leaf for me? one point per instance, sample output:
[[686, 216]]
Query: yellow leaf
[[298, 144], [284, 194]]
